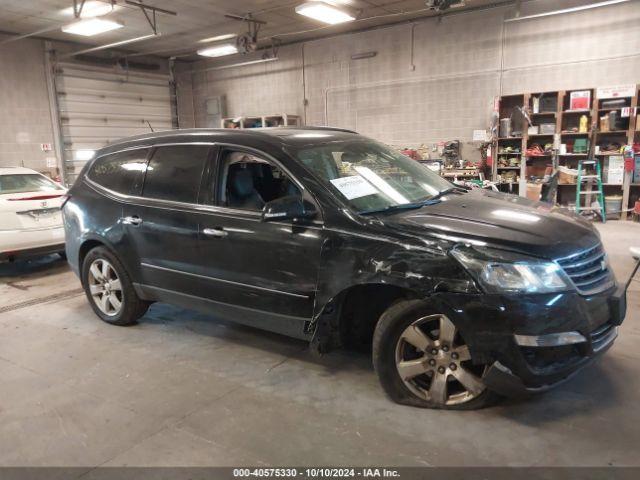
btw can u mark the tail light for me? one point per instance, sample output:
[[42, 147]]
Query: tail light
[[36, 197]]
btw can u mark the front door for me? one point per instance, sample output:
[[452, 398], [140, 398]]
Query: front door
[[267, 270]]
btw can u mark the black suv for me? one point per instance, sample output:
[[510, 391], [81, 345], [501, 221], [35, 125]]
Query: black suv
[[325, 235]]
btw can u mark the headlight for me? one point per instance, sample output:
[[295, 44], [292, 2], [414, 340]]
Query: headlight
[[512, 274]]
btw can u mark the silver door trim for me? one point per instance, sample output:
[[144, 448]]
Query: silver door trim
[[215, 232], [215, 279]]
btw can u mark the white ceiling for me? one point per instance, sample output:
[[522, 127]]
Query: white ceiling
[[199, 19]]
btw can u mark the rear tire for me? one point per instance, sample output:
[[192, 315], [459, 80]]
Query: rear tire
[[109, 289], [431, 368]]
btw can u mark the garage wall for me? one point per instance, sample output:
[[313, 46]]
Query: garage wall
[[263, 88], [441, 92], [591, 48], [25, 120]]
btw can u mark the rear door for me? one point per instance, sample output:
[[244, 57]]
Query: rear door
[[163, 224]]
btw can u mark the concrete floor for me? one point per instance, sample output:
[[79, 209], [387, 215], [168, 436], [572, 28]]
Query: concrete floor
[[182, 389]]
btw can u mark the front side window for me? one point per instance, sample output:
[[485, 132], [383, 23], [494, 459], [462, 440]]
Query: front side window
[[23, 183], [175, 173], [121, 172], [370, 176], [248, 182]]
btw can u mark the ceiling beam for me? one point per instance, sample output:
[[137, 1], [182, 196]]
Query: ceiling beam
[[153, 23]]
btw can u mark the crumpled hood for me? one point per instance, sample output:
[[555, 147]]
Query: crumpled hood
[[483, 217]]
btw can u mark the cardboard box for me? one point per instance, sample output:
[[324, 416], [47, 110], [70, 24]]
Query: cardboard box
[[534, 190], [567, 176], [548, 128], [613, 171], [580, 100]]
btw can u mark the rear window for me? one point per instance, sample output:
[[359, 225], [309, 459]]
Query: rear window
[[175, 173], [121, 172], [23, 183]]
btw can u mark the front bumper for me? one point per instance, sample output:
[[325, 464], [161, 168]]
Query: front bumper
[[501, 379], [534, 342]]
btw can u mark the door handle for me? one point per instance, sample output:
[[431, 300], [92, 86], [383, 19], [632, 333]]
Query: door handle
[[215, 232], [135, 220]]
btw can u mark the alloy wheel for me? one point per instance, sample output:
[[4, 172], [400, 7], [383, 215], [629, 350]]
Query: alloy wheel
[[434, 363], [105, 287]]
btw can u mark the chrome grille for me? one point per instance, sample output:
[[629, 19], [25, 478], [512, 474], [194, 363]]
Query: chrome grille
[[589, 270], [603, 336]]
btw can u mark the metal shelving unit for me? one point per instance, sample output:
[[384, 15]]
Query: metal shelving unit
[[566, 122], [261, 121]]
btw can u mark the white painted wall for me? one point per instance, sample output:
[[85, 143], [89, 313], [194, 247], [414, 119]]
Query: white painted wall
[[459, 65], [25, 120]]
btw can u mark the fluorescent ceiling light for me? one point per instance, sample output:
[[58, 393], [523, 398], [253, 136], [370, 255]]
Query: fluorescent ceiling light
[[91, 26], [311, 135], [219, 50], [91, 8], [324, 12], [516, 216], [136, 167], [83, 154], [226, 36], [567, 10]]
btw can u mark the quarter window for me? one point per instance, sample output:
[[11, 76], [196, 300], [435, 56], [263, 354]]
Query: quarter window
[[121, 172], [175, 173]]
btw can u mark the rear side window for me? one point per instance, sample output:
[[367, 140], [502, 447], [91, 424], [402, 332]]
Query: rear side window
[[121, 172], [175, 173]]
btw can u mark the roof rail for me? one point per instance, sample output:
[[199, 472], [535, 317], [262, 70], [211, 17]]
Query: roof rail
[[312, 127]]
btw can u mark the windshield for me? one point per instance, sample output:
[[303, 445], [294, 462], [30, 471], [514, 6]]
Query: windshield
[[22, 183], [371, 176]]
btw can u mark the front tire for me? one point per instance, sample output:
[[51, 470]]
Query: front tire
[[422, 360], [109, 289]]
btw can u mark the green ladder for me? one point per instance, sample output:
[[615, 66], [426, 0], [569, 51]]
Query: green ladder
[[589, 179]]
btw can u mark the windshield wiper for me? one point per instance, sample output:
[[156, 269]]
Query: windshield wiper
[[448, 190], [408, 206], [392, 208], [404, 206]]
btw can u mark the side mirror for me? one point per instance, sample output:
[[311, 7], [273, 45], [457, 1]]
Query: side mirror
[[635, 252], [288, 208]]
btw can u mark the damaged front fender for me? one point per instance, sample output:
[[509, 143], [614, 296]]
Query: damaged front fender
[[416, 266]]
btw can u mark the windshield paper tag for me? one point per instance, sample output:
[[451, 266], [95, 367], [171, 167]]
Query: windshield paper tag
[[354, 187]]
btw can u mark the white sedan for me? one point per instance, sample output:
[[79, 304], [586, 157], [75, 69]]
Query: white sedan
[[30, 216]]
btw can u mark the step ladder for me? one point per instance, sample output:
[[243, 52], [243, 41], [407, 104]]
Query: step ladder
[[588, 180]]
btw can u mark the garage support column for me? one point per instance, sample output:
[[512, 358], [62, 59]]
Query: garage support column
[[54, 111], [175, 119]]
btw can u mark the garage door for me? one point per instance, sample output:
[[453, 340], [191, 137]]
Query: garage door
[[99, 106]]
